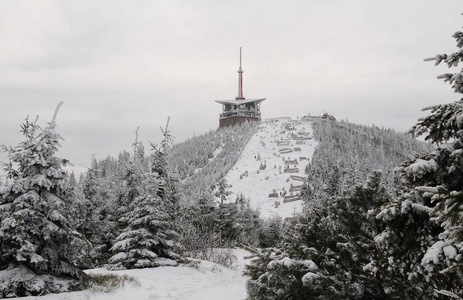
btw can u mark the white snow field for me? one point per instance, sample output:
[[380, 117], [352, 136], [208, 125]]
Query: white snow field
[[208, 281], [285, 146]]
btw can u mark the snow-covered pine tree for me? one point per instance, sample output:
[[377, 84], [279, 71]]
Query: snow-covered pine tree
[[72, 180], [221, 190], [147, 238], [80, 218], [35, 236], [270, 232], [91, 215], [424, 240], [326, 254], [247, 223], [159, 157]]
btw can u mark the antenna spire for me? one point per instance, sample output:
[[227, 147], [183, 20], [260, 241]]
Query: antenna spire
[[240, 82], [240, 58]]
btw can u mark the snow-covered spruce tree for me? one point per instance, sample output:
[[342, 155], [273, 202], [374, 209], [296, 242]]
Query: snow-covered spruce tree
[[326, 255], [147, 238], [80, 213], [221, 190], [199, 234], [72, 180], [35, 236], [92, 214], [425, 235], [166, 189], [271, 232], [247, 223]]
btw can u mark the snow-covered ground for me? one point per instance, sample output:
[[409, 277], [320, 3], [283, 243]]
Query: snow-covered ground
[[208, 281], [282, 145]]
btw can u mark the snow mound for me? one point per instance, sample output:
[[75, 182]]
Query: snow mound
[[15, 280], [203, 281]]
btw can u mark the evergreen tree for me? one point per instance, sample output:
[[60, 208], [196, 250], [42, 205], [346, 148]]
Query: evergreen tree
[[35, 235], [270, 232], [147, 237], [72, 180], [424, 238], [327, 254], [203, 215], [159, 157], [221, 190], [92, 212], [247, 223]]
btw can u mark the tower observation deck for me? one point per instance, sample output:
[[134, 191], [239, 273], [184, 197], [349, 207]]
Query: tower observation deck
[[238, 110]]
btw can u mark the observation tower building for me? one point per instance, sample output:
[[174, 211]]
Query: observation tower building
[[240, 109]]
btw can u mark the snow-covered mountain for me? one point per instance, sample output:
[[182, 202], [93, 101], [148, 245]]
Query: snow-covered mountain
[[268, 164]]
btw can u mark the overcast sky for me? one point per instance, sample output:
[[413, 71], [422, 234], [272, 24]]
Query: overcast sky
[[118, 65]]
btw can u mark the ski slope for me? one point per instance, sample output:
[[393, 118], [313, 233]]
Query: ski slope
[[285, 146]]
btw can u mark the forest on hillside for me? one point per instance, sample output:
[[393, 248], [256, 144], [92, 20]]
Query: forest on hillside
[[348, 153], [200, 163]]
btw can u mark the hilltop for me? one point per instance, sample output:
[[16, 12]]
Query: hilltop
[[274, 163]]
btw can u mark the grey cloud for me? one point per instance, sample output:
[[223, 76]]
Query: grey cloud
[[122, 64]]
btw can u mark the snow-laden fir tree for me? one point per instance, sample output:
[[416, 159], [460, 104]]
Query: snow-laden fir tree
[[221, 190], [271, 231], [424, 238], [91, 214], [147, 238], [327, 252], [35, 237]]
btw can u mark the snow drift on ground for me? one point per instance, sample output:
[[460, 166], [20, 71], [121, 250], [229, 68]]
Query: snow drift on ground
[[207, 281], [276, 141]]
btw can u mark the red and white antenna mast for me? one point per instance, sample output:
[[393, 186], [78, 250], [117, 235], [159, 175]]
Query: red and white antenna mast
[[240, 82]]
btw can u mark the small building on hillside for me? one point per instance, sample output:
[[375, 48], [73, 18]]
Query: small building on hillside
[[240, 109]]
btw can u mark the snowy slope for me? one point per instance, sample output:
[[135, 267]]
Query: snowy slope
[[282, 145], [208, 281]]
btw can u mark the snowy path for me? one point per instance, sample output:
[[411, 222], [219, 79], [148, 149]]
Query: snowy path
[[281, 144], [208, 282]]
